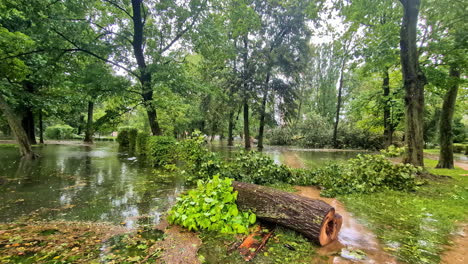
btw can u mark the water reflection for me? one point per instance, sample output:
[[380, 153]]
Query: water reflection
[[87, 183], [293, 156]]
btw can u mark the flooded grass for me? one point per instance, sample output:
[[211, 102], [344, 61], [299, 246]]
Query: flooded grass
[[285, 246], [416, 226]]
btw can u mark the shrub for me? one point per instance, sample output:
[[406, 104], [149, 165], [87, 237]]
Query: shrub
[[59, 132], [366, 174], [160, 150], [211, 206], [460, 148], [254, 167], [199, 162], [142, 143], [280, 136], [351, 137], [316, 132], [127, 137], [393, 151]]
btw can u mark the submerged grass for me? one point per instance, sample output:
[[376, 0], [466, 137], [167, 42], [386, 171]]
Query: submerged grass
[[415, 226], [285, 246]]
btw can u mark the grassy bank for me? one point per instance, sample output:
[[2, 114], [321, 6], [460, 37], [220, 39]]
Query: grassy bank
[[415, 226]]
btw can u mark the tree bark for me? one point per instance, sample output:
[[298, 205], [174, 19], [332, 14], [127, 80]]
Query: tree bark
[[246, 103], [414, 82], [388, 126], [446, 120], [41, 128], [231, 128], [246, 125], [89, 124], [314, 219], [338, 104], [145, 75], [28, 125], [262, 114], [21, 137]]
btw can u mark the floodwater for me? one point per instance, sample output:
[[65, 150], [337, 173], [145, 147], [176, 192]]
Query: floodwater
[[99, 183], [310, 158], [83, 183]]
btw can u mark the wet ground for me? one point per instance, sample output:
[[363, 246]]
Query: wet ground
[[355, 242], [99, 183]]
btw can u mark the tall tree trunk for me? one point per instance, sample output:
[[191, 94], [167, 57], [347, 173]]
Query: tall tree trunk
[[28, 125], [231, 128], [80, 124], [414, 82], [89, 125], [41, 128], [338, 104], [388, 126], [145, 75], [262, 114], [445, 123], [24, 145], [246, 102], [246, 125]]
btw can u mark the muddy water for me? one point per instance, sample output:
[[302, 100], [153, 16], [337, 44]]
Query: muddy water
[[95, 183], [354, 239]]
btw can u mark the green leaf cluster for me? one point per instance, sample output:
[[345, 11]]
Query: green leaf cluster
[[211, 206], [160, 150], [127, 137], [59, 132], [254, 167], [392, 151], [367, 174]]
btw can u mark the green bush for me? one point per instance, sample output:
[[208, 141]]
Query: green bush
[[59, 132], [366, 174], [280, 136], [127, 137], [211, 206], [316, 132], [198, 161], [460, 148], [254, 167], [161, 150], [393, 151], [142, 143]]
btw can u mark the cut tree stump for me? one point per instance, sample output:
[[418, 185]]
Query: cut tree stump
[[315, 219]]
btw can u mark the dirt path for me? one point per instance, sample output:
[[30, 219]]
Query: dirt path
[[457, 254], [180, 245]]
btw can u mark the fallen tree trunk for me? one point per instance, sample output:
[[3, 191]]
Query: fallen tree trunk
[[315, 219]]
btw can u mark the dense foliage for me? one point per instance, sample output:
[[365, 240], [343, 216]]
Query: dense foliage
[[364, 174], [59, 132], [127, 137], [367, 174], [211, 206], [254, 167], [392, 151], [160, 150]]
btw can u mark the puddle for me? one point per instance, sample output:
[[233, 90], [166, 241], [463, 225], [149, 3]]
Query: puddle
[[354, 240]]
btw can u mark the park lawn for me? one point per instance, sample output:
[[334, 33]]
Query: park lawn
[[416, 226]]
